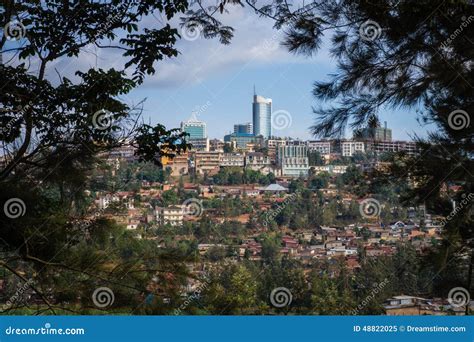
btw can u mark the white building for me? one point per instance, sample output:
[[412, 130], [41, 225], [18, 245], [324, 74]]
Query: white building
[[257, 161], [321, 146], [232, 159], [199, 144], [293, 160], [409, 147], [172, 215], [104, 201], [350, 147], [331, 169]]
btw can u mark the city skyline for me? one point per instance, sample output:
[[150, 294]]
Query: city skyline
[[118, 200], [264, 123], [219, 87]]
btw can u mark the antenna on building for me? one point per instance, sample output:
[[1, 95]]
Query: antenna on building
[[254, 90], [193, 117]]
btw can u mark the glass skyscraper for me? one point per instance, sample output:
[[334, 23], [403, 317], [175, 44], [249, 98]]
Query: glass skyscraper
[[195, 128], [243, 128], [262, 116]]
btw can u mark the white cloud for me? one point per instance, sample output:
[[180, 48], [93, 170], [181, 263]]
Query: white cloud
[[255, 43]]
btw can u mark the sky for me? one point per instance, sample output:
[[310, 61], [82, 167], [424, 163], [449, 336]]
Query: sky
[[217, 80]]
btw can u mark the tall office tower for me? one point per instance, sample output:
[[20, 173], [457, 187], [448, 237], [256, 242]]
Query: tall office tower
[[195, 128], [243, 128], [262, 116]]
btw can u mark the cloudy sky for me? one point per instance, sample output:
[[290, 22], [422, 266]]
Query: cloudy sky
[[217, 80]]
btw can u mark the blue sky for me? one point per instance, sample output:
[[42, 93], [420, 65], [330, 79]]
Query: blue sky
[[226, 98], [217, 80]]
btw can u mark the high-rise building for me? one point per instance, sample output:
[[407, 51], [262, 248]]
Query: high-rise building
[[194, 127], [374, 133], [262, 116], [243, 128], [243, 139], [197, 133]]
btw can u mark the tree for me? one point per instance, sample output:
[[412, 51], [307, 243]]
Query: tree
[[232, 290], [216, 253], [228, 148], [169, 197], [53, 128], [319, 181], [271, 245], [327, 299], [393, 54], [314, 158]]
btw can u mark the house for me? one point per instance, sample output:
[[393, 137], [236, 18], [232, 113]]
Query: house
[[125, 197], [410, 305], [350, 147], [290, 242], [372, 251], [204, 247], [274, 188], [337, 251], [403, 305], [333, 244], [172, 215], [133, 224], [254, 248], [352, 263]]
